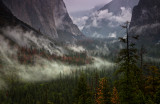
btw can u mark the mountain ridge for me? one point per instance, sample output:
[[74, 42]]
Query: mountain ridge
[[146, 20], [106, 21], [48, 16], [10, 20]]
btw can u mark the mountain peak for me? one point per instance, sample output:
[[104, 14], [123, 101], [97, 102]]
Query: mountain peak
[[107, 20]]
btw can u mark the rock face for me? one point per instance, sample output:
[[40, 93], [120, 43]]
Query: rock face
[[106, 21], [8, 19], [115, 5], [50, 17], [146, 12], [4, 15], [15, 32], [146, 20]]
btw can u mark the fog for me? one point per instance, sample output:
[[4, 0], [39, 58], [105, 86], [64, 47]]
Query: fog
[[43, 69], [29, 39]]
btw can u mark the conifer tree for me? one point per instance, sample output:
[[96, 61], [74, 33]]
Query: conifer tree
[[103, 94], [157, 96], [83, 94], [96, 86], [153, 82], [115, 96], [128, 70]]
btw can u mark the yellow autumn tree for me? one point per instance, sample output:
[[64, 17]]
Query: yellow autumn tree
[[115, 96]]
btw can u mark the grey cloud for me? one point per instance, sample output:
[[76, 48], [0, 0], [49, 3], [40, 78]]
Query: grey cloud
[[114, 20]]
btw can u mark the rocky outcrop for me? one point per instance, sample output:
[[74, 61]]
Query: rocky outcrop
[[8, 19], [14, 32], [115, 5], [146, 20], [47, 16], [146, 12]]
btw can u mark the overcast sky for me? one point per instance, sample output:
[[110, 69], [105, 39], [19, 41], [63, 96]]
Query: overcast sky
[[79, 5]]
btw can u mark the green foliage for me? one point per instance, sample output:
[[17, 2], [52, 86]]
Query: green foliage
[[130, 74], [83, 94], [133, 87], [157, 96], [57, 91]]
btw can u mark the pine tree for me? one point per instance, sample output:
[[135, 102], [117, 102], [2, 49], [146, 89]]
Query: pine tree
[[128, 70], [96, 86], [152, 82], [83, 94], [142, 52], [103, 94], [115, 96], [157, 96]]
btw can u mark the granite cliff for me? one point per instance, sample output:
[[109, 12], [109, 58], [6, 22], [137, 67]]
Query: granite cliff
[[50, 17]]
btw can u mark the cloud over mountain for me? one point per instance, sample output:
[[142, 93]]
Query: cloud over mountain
[[107, 20]]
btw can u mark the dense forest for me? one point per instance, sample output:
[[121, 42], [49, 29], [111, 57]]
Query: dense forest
[[133, 80], [49, 55]]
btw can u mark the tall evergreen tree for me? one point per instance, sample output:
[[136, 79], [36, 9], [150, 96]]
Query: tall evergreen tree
[[153, 83], [128, 70], [83, 94], [103, 94], [115, 96]]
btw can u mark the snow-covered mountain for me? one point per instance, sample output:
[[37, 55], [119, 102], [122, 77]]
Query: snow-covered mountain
[[50, 17], [106, 21]]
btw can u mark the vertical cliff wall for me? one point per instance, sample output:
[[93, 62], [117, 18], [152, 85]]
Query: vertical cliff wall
[[47, 16], [146, 20]]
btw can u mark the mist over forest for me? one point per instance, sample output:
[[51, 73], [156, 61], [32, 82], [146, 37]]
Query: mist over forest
[[79, 52]]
